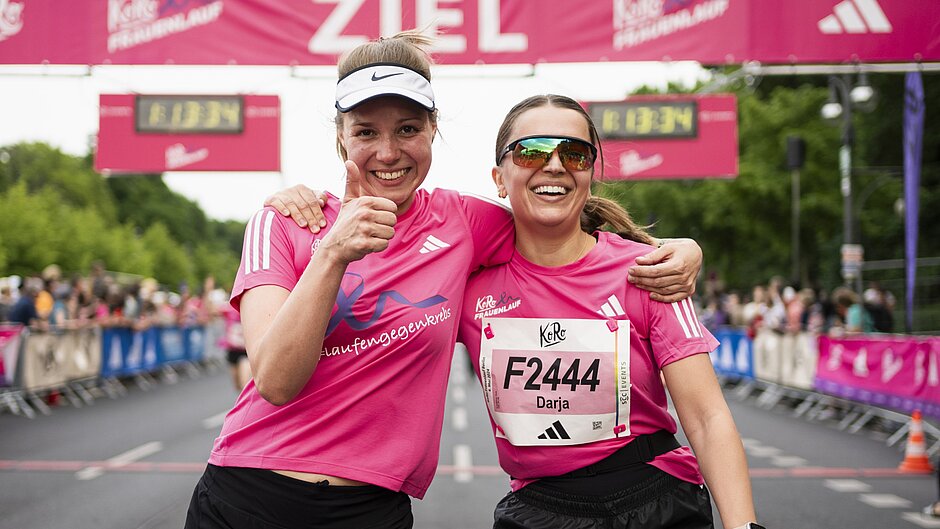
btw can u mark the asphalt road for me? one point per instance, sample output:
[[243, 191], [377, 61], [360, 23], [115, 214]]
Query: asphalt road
[[131, 463]]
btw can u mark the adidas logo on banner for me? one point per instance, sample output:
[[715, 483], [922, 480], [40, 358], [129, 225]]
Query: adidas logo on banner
[[555, 431], [612, 308], [855, 16], [433, 244]]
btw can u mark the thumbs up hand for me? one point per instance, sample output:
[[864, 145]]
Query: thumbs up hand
[[365, 224]]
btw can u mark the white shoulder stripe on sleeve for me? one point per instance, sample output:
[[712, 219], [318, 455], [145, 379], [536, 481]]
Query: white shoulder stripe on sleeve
[[256, 241], [692, 319], [266, 260], [681, 318], [246, 244]]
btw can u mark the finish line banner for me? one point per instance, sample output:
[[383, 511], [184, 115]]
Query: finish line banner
[[305, 32]]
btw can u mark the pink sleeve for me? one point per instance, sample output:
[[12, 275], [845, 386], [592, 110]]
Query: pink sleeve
[[267, 254], [675, 332], [491, 228]]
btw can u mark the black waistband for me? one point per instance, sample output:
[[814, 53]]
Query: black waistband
[[643, 449]]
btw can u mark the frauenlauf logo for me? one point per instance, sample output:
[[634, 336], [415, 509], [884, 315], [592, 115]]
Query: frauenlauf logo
[[11, 18], [135, 22], [433, 244], [640, 21], [855, 16], [177, 156], [490, 306]]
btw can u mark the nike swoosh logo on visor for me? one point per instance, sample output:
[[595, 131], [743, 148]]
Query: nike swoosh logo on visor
[[380, 77]]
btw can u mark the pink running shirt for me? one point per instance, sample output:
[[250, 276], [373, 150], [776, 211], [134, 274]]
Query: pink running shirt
[[373, 409], [594, 287]]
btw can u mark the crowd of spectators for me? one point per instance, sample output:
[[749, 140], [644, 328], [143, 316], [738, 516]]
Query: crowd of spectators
[[791, 309], [50, 301]]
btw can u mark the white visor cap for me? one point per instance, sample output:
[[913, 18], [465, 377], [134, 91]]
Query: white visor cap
[[376, 80]]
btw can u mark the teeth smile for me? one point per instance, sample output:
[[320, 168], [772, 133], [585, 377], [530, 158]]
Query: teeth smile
[[550, 190], [384, 175]]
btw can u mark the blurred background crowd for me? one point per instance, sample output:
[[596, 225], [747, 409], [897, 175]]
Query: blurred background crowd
[[50, 300]]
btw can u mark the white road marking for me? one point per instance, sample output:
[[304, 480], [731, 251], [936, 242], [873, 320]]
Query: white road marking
[[884, 501], [918, 518], [459, 395], [847, 485], [787, 461], [216, 420], [459, 419], [763, 451], [120, 460], [463, 464]]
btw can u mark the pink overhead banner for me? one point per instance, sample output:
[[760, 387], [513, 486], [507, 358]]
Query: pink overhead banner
[[305, 32]]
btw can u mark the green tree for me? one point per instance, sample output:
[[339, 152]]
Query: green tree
[[41, 167], [29, 231], [171, 264], [145, 199]]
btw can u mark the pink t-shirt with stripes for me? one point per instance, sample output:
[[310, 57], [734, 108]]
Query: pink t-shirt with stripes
[[373, 409], [596, 286]]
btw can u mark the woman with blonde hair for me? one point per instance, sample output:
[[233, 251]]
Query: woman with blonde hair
[[350, 330]]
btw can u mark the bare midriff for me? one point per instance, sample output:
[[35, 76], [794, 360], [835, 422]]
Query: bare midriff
[[334, 481]]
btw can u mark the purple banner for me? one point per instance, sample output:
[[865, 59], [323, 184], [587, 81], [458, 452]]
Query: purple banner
[[913, 147], [895, 372]]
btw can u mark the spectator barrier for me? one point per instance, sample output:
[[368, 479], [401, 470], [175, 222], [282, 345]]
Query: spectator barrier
[[901, 373], [871, 375], [35, 362], [895, 372]]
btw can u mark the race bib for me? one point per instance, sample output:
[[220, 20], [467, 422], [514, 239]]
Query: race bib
[[556, 382]]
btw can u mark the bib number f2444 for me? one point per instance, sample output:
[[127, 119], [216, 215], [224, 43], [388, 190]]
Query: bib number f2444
[[556, 382]]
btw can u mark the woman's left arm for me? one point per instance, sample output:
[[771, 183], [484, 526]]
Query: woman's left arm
[[707, 422], [668, 272]]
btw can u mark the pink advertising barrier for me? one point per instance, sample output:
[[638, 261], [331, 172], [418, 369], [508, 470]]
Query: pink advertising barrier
[[302, 32], [9, 351], [896, 372]]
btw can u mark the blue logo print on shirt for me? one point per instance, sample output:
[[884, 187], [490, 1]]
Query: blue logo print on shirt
[[344, 306]]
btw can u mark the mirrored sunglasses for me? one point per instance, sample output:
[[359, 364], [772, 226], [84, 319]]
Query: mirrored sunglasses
[[535, 151]]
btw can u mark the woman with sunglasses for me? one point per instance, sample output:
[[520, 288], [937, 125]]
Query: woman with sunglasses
[[571, 363], [350, 331]]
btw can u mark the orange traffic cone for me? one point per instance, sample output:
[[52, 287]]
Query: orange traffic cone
[[915, 453]]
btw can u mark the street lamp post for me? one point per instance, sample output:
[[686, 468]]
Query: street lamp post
[[842, 98], [840, 87]]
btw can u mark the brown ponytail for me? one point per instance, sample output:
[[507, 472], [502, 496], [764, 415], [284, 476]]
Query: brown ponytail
[[600, 212]]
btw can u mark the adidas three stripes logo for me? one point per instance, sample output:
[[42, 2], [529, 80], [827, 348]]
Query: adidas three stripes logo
[[555, 431]]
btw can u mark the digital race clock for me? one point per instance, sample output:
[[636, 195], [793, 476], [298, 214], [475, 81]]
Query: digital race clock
[[196, 114], [637, 120]]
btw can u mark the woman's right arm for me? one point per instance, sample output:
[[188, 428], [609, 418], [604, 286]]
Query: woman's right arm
[[284, 330]]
